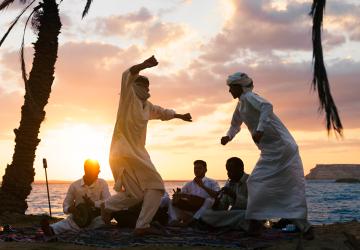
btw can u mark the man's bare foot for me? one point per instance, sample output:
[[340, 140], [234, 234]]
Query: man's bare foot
[[139, 232], [105, 215]]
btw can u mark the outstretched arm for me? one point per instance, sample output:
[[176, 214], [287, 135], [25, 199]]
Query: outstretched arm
[[185, 117], [148, 63], [157, 112], [236, 122]]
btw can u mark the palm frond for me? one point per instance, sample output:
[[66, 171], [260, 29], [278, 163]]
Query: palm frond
[[14, 22], [320, 80], [87, 7], [22, 57], [5, 4]]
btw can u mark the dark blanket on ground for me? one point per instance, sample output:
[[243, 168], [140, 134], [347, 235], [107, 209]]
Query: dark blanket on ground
[[112, 236]]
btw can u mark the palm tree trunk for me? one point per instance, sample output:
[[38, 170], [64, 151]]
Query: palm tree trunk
[[19, 175]]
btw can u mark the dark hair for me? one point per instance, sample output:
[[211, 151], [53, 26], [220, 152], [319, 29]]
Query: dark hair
[[201, 162], [142, 79], [235, 162]]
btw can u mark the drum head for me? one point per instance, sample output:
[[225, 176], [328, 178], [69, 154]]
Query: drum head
[[187, 202], [84, 216]]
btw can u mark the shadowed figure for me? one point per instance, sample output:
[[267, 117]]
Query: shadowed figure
[[136, 178], [230, 206]]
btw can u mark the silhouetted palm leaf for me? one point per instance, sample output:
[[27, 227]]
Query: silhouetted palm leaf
[[87, 7], [14, 22], [23, 68], [320, 80], [5, 4]]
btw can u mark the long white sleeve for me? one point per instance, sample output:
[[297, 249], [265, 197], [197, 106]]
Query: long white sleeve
[[157, 112], [261, 105], [236, 122]]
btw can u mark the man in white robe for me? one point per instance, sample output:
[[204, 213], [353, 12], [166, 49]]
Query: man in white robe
[[201, 186], [90, 188], [136, 178], [276, 186]]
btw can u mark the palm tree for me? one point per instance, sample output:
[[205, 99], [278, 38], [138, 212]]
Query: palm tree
[[320, 80], [19, 175]]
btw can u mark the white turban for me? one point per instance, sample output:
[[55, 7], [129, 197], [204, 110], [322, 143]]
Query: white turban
[[241, 79]]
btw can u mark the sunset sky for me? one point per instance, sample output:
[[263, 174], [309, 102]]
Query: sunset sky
[[198, 44]]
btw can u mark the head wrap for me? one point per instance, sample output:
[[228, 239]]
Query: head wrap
[[241, 79], [141, 92]]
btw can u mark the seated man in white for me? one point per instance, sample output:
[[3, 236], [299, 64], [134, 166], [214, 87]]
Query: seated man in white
[[230, 206], [203, 187], [89, 189]]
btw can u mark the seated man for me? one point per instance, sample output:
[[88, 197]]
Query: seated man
[[202, 190], [229, 208], [87, 193]]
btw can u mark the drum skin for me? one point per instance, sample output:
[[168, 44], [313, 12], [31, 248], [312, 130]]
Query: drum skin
[[187, 202]]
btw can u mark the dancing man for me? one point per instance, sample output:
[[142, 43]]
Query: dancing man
[[276, 186], [136, 179]]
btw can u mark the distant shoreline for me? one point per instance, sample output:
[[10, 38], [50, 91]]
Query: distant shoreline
[[108, 181]]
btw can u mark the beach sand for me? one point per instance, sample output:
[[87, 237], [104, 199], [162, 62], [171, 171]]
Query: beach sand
[[332, 236]]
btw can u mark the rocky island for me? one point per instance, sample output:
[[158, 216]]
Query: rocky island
[[334, 171]]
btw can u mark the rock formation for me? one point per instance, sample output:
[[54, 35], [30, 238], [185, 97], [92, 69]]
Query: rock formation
[[334, 171]]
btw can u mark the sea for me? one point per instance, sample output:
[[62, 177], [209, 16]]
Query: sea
[[328, 202]]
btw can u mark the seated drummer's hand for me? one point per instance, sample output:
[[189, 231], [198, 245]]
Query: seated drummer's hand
[[88, 200]]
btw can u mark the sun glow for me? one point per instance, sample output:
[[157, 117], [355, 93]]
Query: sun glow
[[75, 143]]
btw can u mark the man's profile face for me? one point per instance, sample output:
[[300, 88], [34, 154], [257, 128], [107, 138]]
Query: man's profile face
[[199, 170], [144, 85], [234, 173], [235, 90]]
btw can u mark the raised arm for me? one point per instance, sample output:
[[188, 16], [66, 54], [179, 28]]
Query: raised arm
[[127, 93], [130, 75], [236, 122], [148, 63]]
